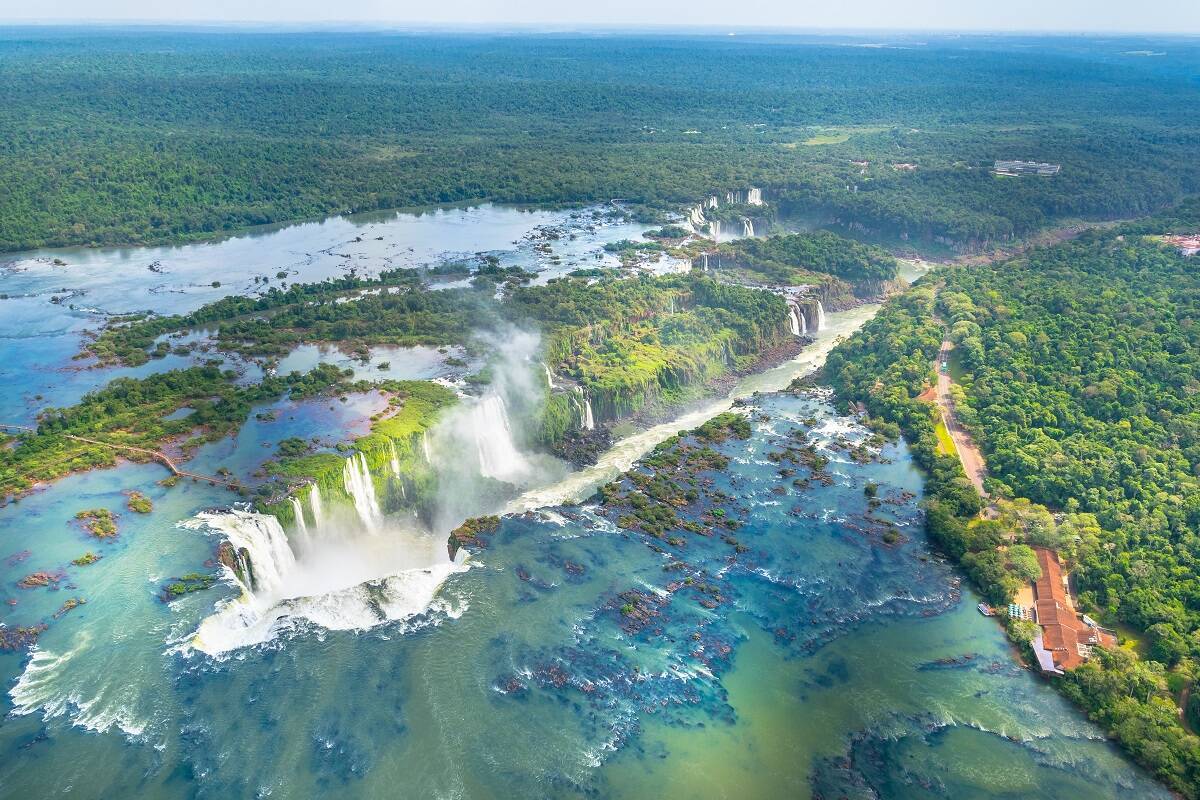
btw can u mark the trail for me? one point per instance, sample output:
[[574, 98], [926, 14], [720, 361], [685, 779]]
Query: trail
[[972, 460]]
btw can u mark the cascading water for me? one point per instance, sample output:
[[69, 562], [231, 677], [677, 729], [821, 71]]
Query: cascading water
[[587, 421], [298, 513], [395, 459], [705, 255], [357, 478], [711, 202], [341, 580], [714, 229], [425, 447], [794, 319], [820, 316], [314, 505], [262, 538], [549, 376], [754, 197], [747, 227], [696, 217], [498, 456]]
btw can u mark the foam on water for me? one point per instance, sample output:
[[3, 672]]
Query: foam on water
[[348, 579]]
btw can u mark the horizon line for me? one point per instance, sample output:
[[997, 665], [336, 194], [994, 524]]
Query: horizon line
[[712, 29]]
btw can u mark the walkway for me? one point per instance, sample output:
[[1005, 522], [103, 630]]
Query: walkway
[[156, 455], [968, 453]]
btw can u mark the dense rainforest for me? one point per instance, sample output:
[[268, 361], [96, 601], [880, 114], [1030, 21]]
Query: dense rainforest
[[1077, 374], [114, 136]]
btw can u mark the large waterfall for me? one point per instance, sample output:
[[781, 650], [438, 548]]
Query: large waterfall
[[261, 537], [696, 217], [356, 476], [714, 229], [711, 202], [498, 455], [343, 579], [820, 316], [754, 197], [747, 227]]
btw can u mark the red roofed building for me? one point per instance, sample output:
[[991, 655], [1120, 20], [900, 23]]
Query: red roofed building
[[1066, 641]]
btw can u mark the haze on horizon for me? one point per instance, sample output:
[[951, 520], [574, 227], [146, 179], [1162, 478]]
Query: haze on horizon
[[1099, 16]]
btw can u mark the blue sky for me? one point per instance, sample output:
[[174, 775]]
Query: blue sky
[[1182, 16]]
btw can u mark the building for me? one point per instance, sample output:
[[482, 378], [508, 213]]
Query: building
[[1014, 168], [1065, 640]]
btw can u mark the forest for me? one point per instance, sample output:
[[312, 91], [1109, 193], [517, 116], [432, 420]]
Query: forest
[[1079, 378], [116, 137]]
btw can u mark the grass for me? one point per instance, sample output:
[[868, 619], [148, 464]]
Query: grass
[[826, 138], [945, 440]]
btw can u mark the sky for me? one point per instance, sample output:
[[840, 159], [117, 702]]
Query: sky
[[1134, 16]]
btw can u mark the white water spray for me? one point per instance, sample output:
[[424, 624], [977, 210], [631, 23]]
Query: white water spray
[[314, 505], [357, 479], [298, 513], [754, 197], [343, 581], [498, 455]]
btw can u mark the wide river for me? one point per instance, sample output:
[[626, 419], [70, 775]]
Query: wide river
[[818, 662]]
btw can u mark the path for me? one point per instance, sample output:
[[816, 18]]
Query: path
[[968, 453], [156, 455]]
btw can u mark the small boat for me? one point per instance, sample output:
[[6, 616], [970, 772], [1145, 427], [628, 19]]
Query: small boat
[[986, 610]]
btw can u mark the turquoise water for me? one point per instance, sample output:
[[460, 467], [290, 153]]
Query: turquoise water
[[833, 664]]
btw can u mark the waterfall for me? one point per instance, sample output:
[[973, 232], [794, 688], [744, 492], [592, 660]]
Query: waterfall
[[705, 261], [820, 316], [747, 227], [314, 505], [360, 487], [711, 202], [549, 376], [587, 422], [754, 197], [498, 456], [395, 460], [794, 319], [731, 198], [714, 228], [264, 555], [298, 513], [696, 217], [425, 446]]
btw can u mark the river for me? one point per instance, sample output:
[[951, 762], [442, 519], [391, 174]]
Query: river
[[833, 665]]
